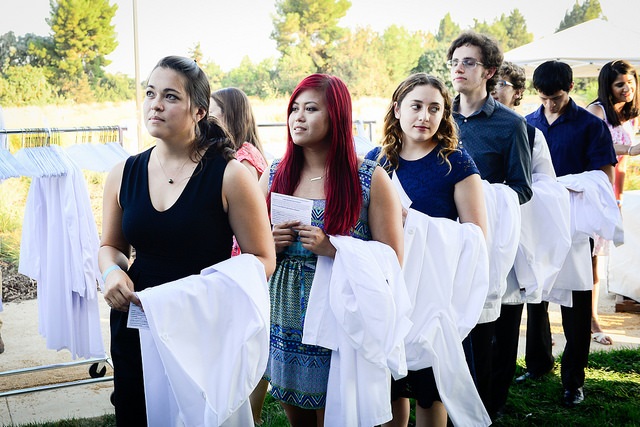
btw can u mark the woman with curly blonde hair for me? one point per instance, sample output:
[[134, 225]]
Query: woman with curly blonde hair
[[420, 147]]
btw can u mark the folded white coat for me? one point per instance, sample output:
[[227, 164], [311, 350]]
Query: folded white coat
[[446, 271], [358, 308], [207, 346], [503, 237]]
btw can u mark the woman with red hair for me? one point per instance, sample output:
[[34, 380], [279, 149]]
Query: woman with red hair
[[351, 196]]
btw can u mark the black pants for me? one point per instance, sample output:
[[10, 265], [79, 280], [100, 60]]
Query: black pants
[[128, 382], [538, 353], [576, 322], [505, 353], [478, 351]]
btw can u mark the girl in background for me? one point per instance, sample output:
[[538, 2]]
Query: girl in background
[[618, 105], [232, 108]]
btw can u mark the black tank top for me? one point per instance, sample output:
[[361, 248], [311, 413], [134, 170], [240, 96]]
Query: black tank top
[[192, 234]]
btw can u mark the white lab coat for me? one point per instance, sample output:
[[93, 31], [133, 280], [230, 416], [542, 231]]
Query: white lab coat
[[545, 241], [446, 270], [623, 260], [358, 307], [503, 236], [207, 345], [593, 212], [59, 249]]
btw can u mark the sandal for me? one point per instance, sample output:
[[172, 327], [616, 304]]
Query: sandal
[[602, 338]]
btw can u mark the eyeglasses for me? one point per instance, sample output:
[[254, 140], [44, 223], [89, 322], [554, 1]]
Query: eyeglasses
[[503, 83], [467, 63]]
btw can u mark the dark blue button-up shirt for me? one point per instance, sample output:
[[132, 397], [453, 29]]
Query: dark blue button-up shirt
[[496, 138], [578, 140]]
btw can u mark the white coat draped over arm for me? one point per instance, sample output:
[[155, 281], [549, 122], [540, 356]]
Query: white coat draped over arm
[[545, 241], [207, 345], [593, 212], [358, 307], [503, 236], [446, 270]]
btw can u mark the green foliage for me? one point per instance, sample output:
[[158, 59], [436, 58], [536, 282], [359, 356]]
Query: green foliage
[[580, 13], [13, 193], [358, 60], [309, 26], [447, 30], [25, 85], [254, 80], [82, 36], [29, 49], [215, 74], [114, 88], [510, 31], [433, 61], [293, 66], [195, 53]]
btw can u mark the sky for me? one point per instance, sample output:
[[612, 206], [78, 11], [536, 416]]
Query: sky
[[229, 30]]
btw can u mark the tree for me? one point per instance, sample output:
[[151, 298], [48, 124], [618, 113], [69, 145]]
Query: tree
[[82, 37], [214, 72], [358, 60], [29, 49], [25, 85], [401, 49], [252, 79], [447, 30], [309, 26], [196, 53], [589, 10]]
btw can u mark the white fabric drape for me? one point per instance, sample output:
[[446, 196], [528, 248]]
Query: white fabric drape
[[503, 236], [446, 271], [207, 345], [358, 308], [59, 249], [623, 260], [593, 212], [545, 241]]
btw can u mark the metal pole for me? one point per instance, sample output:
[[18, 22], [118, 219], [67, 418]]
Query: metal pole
[[137, 75]]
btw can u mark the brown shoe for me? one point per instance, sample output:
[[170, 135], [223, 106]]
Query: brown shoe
[[1, 345]]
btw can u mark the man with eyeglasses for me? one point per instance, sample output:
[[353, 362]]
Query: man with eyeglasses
[[496, 138], [579, 142]]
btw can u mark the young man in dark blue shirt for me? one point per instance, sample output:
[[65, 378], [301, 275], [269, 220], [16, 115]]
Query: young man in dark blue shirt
[[496, 138], [578, 142]]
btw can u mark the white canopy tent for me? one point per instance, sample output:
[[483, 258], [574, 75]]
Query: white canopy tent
[[585, 47]]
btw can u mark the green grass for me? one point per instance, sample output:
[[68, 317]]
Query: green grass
[[612, 389]]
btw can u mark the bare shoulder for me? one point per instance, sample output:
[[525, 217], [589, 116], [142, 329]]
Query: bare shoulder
[[596, 110]]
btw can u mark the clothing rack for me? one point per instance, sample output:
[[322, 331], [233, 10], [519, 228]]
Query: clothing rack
[[49, 134], [42, 137]]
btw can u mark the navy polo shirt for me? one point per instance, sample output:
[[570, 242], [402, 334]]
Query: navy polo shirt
[[578, 140]]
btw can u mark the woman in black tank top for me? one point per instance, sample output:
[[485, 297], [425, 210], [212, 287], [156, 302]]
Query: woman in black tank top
[[178, 204]]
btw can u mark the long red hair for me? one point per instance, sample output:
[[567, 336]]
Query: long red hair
[[342, 185]]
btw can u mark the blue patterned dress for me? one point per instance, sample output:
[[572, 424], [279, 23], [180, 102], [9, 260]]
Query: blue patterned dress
[[298, 373]]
